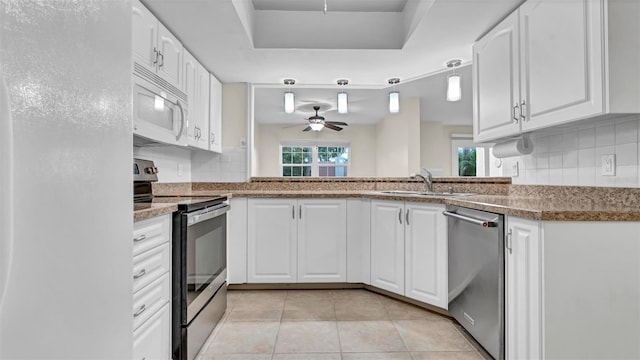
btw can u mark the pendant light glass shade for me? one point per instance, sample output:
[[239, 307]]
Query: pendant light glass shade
[[454, 91], [394, 102], [289, 102], [343, 106], [316, 126]]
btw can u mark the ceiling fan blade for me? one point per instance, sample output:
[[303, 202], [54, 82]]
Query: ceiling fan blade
[[332, 127], [336, 123], [308, 128]]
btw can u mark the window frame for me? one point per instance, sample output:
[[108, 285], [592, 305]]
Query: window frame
[[315, 165]]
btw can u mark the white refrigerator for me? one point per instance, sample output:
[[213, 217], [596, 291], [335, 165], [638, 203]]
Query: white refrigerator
[[65, 179]]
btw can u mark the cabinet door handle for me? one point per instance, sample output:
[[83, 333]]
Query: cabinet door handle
[[508, 243], [293, 211], [139, 237], [400, 216], [139, 274], [155, 57], [300, 212], [523, 114], [141, 309], [515, 117], [406, 217], [213, 138], [161, 57]]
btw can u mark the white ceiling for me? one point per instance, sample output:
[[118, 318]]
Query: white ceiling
[[367, 42]]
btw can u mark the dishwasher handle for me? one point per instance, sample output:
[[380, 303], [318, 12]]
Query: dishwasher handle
[[479, 222]]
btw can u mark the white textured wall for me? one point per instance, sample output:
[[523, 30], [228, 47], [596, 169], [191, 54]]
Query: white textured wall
[[572, 155], [398, 141], [362, 140]]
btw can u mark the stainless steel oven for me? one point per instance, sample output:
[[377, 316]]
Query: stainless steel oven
[[199, 272]]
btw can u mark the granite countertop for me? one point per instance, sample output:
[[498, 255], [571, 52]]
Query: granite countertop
[[146, 211], [550, 209]]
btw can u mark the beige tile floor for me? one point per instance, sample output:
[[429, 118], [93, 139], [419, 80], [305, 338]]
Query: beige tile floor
[[331, 325]]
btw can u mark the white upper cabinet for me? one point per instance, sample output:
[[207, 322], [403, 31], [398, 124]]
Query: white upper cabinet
[[191, 89], [215, 114], [155, 47], [496, 85], [197, 88], [553, 62]]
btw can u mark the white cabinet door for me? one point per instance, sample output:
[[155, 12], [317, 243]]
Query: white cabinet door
[[523, 272], [359, 241], [191, 89], [426, 253], [561, 61], [322, 240], [272, 249], [387, 245], [170, 60], [152, 340], [496, 97], [144, 36], [202, 107], [215, 115]]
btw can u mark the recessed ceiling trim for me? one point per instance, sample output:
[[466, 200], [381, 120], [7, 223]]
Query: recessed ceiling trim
[[332, 5]]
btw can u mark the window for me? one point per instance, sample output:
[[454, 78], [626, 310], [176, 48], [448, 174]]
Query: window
[[468, 159], [327, 160]]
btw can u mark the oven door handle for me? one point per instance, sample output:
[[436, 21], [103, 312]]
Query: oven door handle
[[206, 214], [480, 222]]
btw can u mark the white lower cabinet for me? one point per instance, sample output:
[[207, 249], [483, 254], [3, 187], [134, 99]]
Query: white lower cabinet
[[152, 340], [523, 323], [152, 288], [409, 250], [293, 240]]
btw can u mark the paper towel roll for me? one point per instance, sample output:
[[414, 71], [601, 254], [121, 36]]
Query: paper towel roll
[[514, 147]]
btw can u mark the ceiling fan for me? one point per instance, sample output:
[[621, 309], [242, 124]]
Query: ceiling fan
[[317, 122]]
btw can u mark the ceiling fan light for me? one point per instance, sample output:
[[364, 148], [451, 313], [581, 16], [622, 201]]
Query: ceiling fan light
[[343, 106], [394, 102], [454, 91], [316, 126], [289, 102]]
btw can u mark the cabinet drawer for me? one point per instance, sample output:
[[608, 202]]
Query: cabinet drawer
[[151, 298], [150, 265], [150, 233], [152, 339]]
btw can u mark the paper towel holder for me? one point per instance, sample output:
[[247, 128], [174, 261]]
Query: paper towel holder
[[521, 145]]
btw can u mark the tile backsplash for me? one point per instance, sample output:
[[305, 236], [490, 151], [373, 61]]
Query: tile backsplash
[[177, 164], [572, 155]]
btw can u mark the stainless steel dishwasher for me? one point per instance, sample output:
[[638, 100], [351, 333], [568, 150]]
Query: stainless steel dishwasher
[[476, 275]]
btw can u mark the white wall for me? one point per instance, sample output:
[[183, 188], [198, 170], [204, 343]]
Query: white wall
[[435, 146], [572, 155], [398, 141], [173, 163], [360, 137]]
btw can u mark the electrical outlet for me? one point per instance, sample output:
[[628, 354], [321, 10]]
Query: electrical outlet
[[180, 170], [608, 165], [514, 169]]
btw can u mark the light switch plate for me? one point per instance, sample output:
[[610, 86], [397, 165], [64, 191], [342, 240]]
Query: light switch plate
[[608, 165], [514, 169]]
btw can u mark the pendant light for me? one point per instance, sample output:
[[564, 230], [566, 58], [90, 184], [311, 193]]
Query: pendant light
[[454, 89], [289, 97], [343, 105], [394, 97]]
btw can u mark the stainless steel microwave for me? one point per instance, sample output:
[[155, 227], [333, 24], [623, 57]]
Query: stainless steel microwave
[[159, 110]]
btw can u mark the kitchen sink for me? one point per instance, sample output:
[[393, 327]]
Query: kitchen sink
[[423, 193]]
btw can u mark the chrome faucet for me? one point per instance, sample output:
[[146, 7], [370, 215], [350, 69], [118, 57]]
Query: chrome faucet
[[427, 178]]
